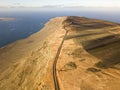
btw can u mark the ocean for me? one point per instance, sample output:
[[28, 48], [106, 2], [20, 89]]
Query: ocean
[[31, 20]]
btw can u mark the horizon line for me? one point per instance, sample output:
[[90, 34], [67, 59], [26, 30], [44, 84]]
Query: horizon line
[[59, 6]]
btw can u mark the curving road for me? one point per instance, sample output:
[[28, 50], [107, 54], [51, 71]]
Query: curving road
[[56, 83]]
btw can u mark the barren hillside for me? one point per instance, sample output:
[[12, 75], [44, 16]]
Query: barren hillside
[[87, 57]]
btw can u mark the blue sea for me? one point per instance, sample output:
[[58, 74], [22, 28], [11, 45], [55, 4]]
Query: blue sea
[[31, 20]]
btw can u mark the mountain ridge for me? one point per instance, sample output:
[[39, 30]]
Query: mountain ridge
[[84, 61]]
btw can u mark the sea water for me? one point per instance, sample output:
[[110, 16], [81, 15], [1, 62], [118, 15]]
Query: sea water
[[30, 20]]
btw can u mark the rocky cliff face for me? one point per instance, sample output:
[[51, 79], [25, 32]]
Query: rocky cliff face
[[88, 60]]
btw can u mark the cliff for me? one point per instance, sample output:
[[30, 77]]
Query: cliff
[[87, 57]]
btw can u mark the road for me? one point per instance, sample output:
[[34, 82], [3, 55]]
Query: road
[[56, 83]]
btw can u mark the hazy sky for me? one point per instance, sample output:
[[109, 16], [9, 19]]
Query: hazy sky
[[38, 3]]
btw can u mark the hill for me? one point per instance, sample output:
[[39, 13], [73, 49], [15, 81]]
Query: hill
[[86, 51]]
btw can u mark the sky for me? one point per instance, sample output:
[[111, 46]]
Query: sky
[[60, 3]]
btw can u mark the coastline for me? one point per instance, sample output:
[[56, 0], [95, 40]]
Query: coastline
[[28, 62], [29, 54], [39, 31]]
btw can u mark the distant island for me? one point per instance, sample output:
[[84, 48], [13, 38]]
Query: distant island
[[7, 19]]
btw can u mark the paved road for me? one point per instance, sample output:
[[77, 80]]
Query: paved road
[[56, 83]]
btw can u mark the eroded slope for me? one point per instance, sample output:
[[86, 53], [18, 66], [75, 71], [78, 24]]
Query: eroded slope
[[90, 55]]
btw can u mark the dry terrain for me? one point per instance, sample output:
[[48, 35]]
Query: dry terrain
[[88, 59]]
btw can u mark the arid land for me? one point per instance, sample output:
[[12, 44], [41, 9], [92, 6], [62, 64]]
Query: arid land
[[87, 57]]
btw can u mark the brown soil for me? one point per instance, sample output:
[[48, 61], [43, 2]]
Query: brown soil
[[89, 58]]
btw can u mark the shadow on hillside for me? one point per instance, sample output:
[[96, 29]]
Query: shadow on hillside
[[85, 27], [82, 23], [81, 35], [108, 54], [106, 49], [109, 62]]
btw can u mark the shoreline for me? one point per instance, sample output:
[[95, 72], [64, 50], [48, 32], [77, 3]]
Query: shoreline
[[11, 19], [28, 62], [40, 30]]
